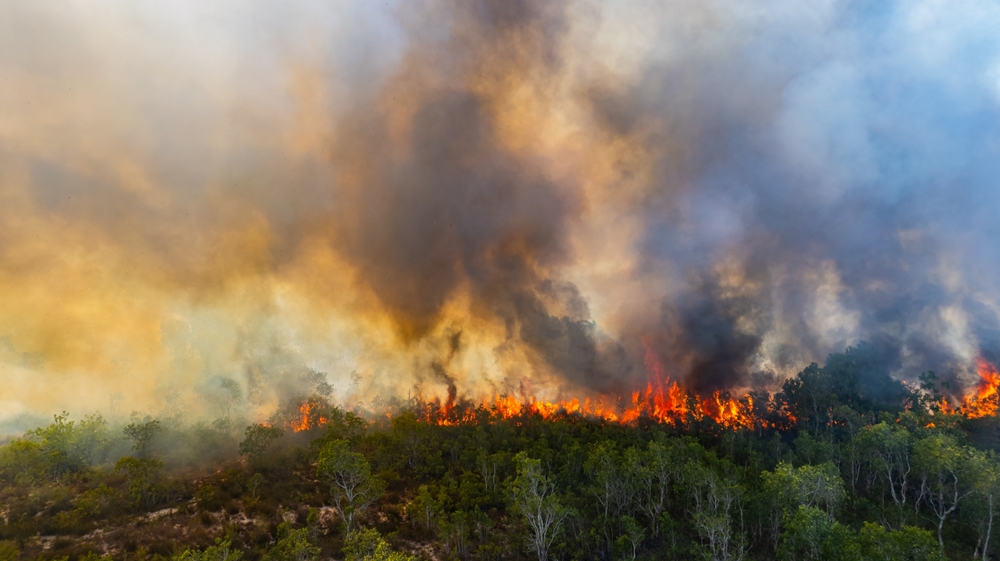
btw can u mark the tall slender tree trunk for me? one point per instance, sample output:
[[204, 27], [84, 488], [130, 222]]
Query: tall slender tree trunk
[[989, 527]]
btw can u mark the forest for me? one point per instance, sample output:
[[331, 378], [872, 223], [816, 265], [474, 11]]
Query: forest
[[842, 462]]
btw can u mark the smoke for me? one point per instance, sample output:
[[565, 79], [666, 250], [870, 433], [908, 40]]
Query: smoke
[[466, 197]]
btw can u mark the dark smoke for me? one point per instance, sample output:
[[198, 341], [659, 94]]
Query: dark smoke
[[706, 330], [459, 209]]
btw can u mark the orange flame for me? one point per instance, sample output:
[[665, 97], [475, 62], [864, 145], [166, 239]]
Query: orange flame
[[662, 400], [675, 406], [986, 400], [311, 416]]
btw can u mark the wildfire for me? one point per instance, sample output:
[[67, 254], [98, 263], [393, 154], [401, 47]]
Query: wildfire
[[674, 406], [986, 400], [662, 401], [311, 415]]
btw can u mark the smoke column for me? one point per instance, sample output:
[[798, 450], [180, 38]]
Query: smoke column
[[435, 196]]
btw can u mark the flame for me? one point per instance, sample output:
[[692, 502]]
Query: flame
[[662, 400], [674, 406], [986, 399], [312, 415]]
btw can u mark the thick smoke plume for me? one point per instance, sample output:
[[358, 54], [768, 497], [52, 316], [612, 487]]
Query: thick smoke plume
[[471, 198]]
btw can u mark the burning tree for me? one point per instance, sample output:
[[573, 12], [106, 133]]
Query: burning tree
[[986, 400]]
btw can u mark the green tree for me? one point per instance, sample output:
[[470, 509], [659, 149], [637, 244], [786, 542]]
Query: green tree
[[533, 496], [142, 434], [140, 474], [221, 551], [906, 544], [809, 486], [69, 446], [947, 476], [254, 485], [616, 486], [424, 507], [714, 498], [22, 461], [93, 502], [632, 538], [352, 485], [810, 534], [659, 469], [368, 545], [889, 451], [292, 545], [988, 488], [258, 438]]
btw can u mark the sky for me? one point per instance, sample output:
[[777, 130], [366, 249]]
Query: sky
[[498, 196]]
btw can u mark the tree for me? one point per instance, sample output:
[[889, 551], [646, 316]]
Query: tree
[[906, 544], [254, 485], [809, 486], [141, 435], [69, 446], [533, 496], [140, 474], [221, 551], [489, 465], [946, 476], [988, 487], [889, 449], [659, 469], [616, 478], [812, 535], [368, 545], [633, 536], [21, 461], [713, 500], [352, 485], [258, 438], [292, 545], [423, 508]]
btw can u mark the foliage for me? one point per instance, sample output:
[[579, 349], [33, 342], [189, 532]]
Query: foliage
[[368, 545], [8, 550], [809, 486], [292, 545], [140, 473], [256, 441], [221, 551], [533, 497], [906, 544], [352, 485], [812, 535], [141, 435]]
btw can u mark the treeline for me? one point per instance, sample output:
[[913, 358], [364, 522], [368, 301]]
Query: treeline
[[866, 469]]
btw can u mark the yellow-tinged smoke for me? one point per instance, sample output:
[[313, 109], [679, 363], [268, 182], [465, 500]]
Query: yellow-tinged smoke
[[429, 193], [164, 225]]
